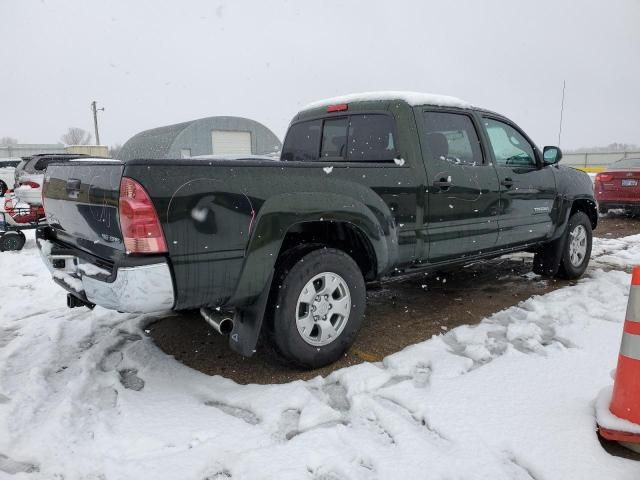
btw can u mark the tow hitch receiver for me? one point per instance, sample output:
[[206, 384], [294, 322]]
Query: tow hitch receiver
[[73, 302]]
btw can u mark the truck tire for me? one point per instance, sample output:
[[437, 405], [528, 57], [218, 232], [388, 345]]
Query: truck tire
[[318, 309], [577, 247], [3, 188], [12, 241]]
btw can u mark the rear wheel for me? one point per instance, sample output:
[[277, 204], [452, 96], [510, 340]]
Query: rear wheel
[[3, 188], [577, 248], [319, 308], [12, 241]]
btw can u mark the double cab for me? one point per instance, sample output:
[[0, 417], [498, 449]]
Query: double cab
[[367, 186]]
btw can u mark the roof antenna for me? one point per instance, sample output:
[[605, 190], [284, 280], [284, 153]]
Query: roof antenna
[[564, 84]]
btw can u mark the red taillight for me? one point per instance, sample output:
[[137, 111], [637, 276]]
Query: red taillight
[[341, 107], [604, 177], [138, 220], [31, 184]]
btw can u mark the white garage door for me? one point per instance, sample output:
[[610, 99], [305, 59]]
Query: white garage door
[[230, 142]]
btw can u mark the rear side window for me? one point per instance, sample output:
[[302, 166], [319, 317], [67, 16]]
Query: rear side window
[[302, 142], [353, 138], [452, 137], [371, 138], [41, 164]]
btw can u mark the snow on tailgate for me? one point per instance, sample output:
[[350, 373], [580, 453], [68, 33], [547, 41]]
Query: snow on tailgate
[[88, 395]]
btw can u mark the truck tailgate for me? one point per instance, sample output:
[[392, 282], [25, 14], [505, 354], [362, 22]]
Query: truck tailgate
[[81, 204]]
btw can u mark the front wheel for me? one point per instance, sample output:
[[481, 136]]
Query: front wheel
[[319, 308], [577, 248]]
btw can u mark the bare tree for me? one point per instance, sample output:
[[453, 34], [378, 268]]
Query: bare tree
[[76, 136], [114, 150], [8, 141]]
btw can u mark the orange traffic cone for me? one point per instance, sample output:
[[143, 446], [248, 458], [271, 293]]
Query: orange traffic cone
[[625, 400]]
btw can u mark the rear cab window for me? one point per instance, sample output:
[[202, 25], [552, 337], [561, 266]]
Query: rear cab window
[[360, 137], [303, 142]]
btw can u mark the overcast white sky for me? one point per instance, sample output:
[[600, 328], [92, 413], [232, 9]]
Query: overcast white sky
[[152, 63]]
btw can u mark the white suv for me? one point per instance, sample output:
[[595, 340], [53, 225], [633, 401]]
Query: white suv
[[30, 175], [7, 173]]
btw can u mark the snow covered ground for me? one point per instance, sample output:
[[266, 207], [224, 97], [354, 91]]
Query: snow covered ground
[[88, 395]]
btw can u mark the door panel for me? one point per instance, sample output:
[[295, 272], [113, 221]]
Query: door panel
[[527, 191], [462, 197]]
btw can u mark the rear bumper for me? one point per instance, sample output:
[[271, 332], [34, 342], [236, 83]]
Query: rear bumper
[[613, 204], [132, 289]]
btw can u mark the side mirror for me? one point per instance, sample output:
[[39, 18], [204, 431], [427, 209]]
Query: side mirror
[[551, 155]]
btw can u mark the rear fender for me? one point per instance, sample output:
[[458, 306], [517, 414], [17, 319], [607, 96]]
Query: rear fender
[[276, 218], [280, 213]]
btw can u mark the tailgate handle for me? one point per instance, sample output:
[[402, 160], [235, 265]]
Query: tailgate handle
[[73, 185]]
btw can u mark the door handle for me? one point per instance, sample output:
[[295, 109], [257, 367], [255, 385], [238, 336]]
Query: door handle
[[443, 183], [507, 182]]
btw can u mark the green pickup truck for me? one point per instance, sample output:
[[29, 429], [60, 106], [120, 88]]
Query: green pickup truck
[[367, 186]]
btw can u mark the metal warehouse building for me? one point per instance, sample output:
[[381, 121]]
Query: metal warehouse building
[[206, 136]]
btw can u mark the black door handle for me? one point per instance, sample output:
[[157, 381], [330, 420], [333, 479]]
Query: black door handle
[[507, 182], [443, 183]]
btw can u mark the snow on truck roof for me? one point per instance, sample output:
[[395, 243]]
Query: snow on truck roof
[[412, 98]]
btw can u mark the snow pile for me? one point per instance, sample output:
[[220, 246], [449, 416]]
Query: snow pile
[[621, 253], [412, 98], [86, 394]]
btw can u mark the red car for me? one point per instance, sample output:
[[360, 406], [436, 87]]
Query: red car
[[619, 186]]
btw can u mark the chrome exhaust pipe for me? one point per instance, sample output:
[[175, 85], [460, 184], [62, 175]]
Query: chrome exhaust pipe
[[220, 322]]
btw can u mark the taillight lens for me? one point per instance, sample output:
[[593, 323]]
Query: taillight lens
[[138, 220], [31, 184], [604, 177]]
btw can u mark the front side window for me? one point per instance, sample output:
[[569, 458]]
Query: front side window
[[303, 142], [453, 138], [509, 147]]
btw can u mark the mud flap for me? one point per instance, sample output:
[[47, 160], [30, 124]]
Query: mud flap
[[248, 322], [547, 261]]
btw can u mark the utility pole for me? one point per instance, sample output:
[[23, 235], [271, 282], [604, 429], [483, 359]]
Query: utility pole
[[564, 84], [95, 120]]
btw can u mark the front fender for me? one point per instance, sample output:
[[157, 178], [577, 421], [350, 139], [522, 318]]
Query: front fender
[[281, 212], [573, 186]]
